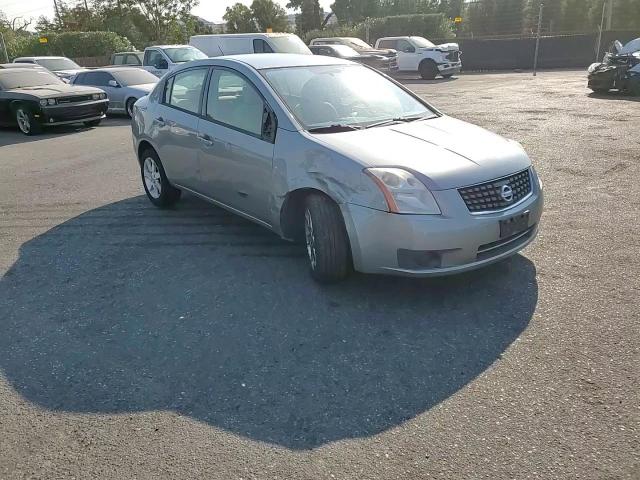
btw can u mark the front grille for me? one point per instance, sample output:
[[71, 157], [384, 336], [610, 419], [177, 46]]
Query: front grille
[[74, 99], [453, 56], [487, 197]]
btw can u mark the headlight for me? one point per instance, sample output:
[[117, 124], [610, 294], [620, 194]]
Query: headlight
[[593, 67], [43, 102], [103, 96], [537, 177], [51, 101], [96, 96], [403, 192]]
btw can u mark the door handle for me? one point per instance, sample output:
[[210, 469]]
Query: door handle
[[206, 139]]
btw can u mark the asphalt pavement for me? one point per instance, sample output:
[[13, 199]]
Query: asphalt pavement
[[189, 343]]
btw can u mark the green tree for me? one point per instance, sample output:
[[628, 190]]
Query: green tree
[[353, 11], [239, 19], [268, 14], [310, 16]]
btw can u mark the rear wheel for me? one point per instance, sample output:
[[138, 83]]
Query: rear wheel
[[156, 185], [428, 69], [326, 240], [129, 107], [26, 121]]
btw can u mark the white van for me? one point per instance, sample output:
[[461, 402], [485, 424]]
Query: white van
[[241, 43]]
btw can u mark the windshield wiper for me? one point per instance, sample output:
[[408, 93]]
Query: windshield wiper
[[337, 127], [391, 121]]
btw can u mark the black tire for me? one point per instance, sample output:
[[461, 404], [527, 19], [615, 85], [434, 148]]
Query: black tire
[[129, 107], [428, 70], [168, 195], [26, 121], [326, 240], [93, 123]]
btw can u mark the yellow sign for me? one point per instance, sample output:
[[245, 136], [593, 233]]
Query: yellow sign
[[457, 20], [43, 40], [269, 30]]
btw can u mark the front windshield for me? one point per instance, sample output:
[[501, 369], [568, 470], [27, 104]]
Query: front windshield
[[422, 42], [351, 95], [56, 64], [184, 54], [33, 78], [345, 51], [289, 44], [134, 76], [357, 43]]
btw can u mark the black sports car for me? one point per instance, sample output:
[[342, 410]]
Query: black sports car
[[386, 63], [34, 98]]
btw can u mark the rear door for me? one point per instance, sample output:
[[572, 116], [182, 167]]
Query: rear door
[[236, 154], [176, 124]]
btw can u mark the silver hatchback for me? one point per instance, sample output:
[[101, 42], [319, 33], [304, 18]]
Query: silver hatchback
[[341, 157]]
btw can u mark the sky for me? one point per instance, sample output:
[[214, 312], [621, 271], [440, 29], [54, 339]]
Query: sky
[[211, 10]]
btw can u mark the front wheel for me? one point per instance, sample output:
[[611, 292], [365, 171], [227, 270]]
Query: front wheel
[[27, 123], [428, 70], [156, 185], [326, 240]]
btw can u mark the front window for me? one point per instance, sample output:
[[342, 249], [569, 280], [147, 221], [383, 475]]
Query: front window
[[10, 79], [422, 42], [185, 89], [289, 44], [358, 44], [56, 64], [134, 76], [346, 95], [184, 54]]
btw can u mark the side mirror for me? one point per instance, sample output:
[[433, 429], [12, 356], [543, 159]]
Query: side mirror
[[409, 50], [162, 64], [113, 83]]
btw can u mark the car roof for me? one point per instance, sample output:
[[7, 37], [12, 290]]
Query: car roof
[[169, 46], [37, 57], [275, 60], [24, 66], [115, 68], [4, 71], [245, 35]]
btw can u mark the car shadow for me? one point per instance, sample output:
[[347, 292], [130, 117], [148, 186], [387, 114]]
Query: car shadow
[[614, 95], [419, 81], [13, 136], [127, 308]]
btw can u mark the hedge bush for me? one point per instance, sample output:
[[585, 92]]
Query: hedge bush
[[433, 25], [70, 44]]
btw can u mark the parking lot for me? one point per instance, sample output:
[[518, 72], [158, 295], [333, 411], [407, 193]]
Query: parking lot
[[189, 343]]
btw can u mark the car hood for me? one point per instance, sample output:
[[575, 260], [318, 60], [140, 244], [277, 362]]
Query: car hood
[[444, 152], [143, 88], [54, 91], [631, 47]]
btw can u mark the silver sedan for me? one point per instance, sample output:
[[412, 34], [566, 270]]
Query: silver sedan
[[123, 85], [341, 157]]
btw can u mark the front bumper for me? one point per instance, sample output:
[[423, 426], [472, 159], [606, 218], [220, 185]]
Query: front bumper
[[459, 240], [72, 112], [450, 67]]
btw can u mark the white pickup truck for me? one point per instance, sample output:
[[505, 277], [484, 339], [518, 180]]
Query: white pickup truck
[[160, 59], [417, 54]]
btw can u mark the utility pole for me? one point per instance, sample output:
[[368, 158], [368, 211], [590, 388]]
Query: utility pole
[[4, 44], [535, 59], [609, 4], [55, 5], [604, 7]]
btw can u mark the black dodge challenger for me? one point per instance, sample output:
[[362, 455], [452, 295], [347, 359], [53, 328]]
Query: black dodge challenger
[[34, 98]]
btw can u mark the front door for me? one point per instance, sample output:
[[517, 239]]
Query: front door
[[407, 55], [235, 158], [176, 123]]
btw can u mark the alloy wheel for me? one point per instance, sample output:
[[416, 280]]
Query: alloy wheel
[[24, 123], [152, 179]]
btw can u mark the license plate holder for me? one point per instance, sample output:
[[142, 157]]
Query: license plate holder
[[514, 225]]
